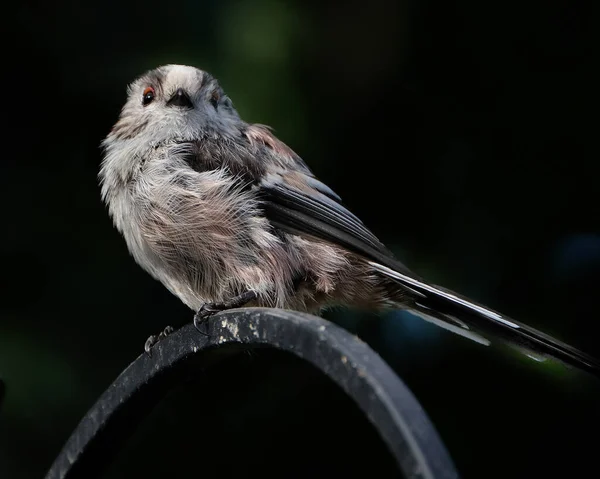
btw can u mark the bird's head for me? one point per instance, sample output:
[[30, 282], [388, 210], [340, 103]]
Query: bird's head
[[174, 102]]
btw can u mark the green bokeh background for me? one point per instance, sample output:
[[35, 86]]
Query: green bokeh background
[[459, 131]]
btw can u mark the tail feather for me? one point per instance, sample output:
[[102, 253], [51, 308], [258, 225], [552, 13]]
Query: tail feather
[[449, 323], [443, 305]]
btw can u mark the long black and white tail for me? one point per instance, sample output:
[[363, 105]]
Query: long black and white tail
[[472, 320]]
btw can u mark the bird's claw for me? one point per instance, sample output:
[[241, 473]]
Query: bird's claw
[[202, 315], [208, 309], [155, 338]]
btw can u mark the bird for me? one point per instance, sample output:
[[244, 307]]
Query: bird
[[224, 214]]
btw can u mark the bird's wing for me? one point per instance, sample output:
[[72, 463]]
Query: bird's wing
[[295, 201], [309, 210]]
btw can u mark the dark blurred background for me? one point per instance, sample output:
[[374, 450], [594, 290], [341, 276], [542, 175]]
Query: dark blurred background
[[459, 131]]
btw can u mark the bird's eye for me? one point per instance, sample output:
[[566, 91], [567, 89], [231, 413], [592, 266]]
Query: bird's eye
[[214, 98], [148, 95]]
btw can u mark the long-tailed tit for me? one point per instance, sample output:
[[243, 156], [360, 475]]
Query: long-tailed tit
[[224, 214]]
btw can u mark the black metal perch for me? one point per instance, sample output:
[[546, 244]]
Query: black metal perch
[[272, 392]]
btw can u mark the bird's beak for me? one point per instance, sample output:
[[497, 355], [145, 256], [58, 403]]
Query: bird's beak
[[180, 99]]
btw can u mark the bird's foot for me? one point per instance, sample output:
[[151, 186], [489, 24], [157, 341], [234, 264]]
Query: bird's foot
[[152, 340], [202, 315], [208, 309]]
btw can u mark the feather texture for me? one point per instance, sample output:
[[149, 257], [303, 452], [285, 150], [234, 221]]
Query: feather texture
[[212, 207]]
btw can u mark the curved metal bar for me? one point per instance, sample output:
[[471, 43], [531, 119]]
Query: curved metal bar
[[353, 365]]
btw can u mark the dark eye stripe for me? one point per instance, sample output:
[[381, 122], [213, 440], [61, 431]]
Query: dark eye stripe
[[214, 98]]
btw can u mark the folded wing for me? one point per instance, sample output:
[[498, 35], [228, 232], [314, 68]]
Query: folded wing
[[295, 201]]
